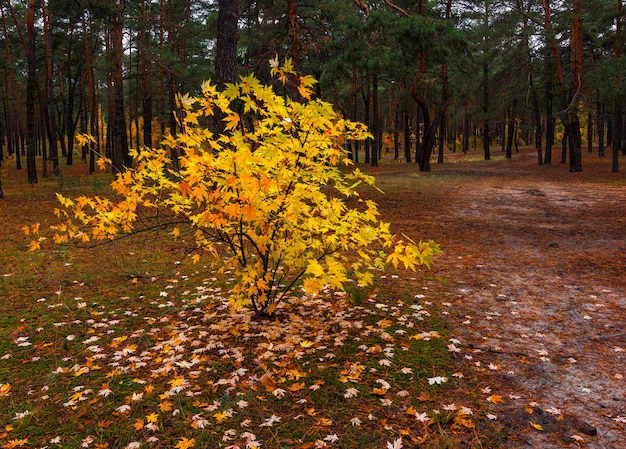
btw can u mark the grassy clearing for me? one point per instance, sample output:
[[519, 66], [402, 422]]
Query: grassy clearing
[[131, 345]]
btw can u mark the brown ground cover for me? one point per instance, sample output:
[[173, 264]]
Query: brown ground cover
[[535, 285]]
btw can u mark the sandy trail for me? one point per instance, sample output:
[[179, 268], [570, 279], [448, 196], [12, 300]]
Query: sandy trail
[[536, 259]]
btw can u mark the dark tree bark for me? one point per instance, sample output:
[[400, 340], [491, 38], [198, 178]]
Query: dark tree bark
[[407, 136], [576, 67], [31, 86], [511, 130], [375, 121], [550, 120], [294, 30], [226, 48], [146, 75], [617, 113], [600, 127], [486, 138], [49, 109], [121, 158]]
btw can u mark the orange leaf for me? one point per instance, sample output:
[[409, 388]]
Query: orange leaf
[[536, 426], [184, 443], [268, 381], [296, 387], [4, 389], [166, 406], [495, 399]]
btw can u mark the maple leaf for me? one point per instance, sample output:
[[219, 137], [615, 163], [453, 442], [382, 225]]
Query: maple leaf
[[397, 444], [5, 389], [379, 391], [437, 380], [166, 406], [15, 443], [220, 417], [185, 443], [270, 421], [296, 387], [495, 399], [351, 393]]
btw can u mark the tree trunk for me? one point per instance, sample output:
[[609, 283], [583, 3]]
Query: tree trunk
[[31, 86], [576, 67], [407, 136], [616, 135], [50, 108], [146, 75], [486, 139], [550, 121], [511, 131], [375, 121], [121, 158], [226, 48], [600, 127], [294, 31]]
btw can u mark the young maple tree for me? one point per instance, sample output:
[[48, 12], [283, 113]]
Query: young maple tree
[[271, 187]]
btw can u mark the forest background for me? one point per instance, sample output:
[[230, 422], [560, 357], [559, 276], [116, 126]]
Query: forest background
[[429, 79], [425, 76]]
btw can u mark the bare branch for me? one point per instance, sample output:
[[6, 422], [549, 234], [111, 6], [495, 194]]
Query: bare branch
[[397, 8]]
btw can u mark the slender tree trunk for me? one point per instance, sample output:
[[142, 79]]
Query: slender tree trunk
[[486, 138], [550, 121], [445, 96], [294, 31], [511, 131], [31, 86], [600, 127], [466, 130], [121, 158], [375, 121], [407, 136], [589, 131], [396, 135], [51, 116], [146, 75], [576, 66], [617, 113]]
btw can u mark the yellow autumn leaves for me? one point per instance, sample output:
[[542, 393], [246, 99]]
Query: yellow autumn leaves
[[269, 187]]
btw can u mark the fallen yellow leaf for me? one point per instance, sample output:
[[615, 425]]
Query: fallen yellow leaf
[[536, 426], [495, 399]]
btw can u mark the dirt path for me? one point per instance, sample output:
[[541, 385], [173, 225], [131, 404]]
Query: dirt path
[[536, 259]]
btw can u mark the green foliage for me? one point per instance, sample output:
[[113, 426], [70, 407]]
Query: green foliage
[[273, 188]]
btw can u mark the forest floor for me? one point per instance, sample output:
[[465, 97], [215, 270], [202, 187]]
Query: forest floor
[[534, 265], [515, 338]]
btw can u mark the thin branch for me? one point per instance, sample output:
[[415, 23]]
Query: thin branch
[[397, 8], [363, 7]]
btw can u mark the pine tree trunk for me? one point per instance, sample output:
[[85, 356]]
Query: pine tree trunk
[[31, 86]]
